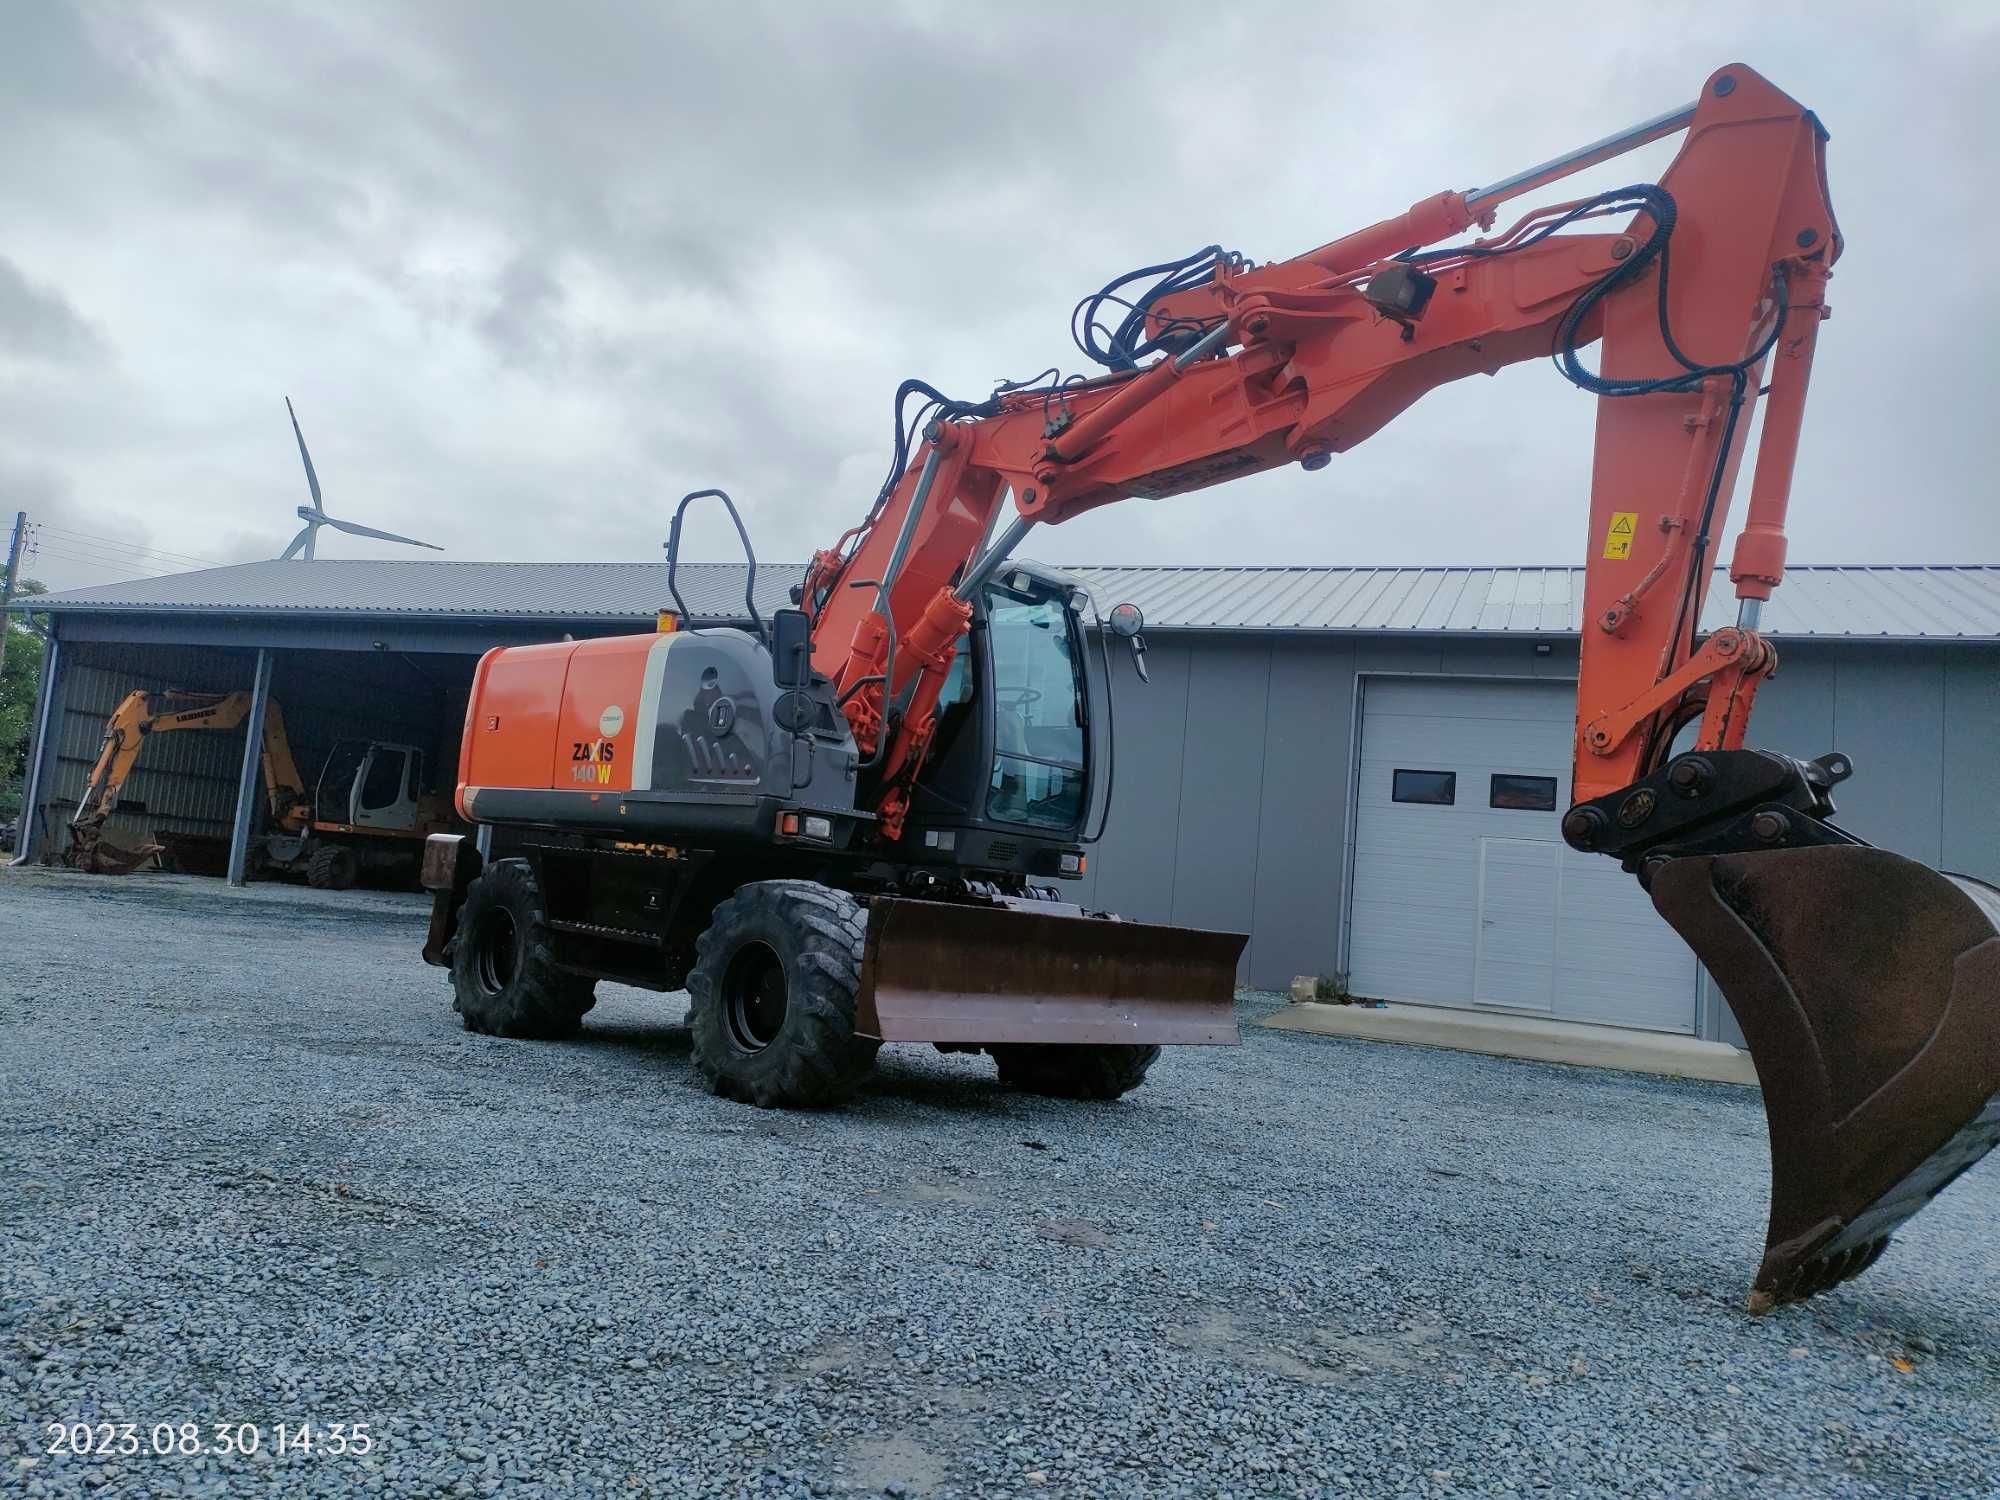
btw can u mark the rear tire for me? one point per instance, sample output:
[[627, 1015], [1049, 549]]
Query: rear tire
[[773, 991], [504, 977], [1066, 1071], [333, 867]]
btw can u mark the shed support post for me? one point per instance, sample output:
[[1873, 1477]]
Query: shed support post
[[253, 765], [30, 835]]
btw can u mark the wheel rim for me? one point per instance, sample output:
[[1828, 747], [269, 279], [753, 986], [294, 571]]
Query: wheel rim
[[498, 950], [754, 998]]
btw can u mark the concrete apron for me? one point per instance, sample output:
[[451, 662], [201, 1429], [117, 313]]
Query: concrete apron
[[1534, 1038]]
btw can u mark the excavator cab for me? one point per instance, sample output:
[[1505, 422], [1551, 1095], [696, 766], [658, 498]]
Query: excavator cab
[[1001, 807], [1008, 784], [371, 784]]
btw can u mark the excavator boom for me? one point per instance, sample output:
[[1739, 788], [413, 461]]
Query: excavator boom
[[1867, 986]]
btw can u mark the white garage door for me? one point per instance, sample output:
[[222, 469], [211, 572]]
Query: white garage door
[[1464, 893]]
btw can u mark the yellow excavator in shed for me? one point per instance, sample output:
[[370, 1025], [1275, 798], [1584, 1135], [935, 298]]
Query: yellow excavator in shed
[[370, 810]]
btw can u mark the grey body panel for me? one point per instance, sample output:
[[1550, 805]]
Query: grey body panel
[[718, 734]]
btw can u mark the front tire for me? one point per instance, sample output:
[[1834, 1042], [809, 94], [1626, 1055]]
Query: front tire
[[333, 868], [1074, 1071], [504, 977], [773, 990]]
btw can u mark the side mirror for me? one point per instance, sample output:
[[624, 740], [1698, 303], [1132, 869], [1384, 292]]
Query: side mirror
[[791, 648], [1127, 620]]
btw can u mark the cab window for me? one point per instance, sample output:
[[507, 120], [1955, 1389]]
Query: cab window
[[1039, 772], [383, 785]]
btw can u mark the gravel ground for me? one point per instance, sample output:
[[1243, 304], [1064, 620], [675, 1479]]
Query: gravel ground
[[253, 1172]]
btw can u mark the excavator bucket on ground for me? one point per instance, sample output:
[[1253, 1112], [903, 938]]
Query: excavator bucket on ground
[[1036, 971], [98, 855], [1868, 988]]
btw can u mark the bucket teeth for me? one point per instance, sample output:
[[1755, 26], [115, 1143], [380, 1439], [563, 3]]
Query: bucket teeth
[[1818, 1274]]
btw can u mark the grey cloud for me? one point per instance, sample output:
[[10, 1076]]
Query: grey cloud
[[36, 322], [73, 541], [525, 320], [532, 271]]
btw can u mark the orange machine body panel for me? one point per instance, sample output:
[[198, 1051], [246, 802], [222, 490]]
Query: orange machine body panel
[[563, 716], [600, 714]]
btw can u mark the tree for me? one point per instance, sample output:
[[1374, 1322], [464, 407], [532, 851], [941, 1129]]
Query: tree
[[19, 678]]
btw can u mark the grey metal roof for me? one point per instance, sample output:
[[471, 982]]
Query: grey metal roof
[[460, 590], [1874, 602], [1881, 602]]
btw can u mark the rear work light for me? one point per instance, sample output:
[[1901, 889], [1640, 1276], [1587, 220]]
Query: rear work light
[[805, 825]]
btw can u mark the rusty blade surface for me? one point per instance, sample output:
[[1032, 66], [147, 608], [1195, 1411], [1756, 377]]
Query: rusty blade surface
[[1041, 972], [1868, 988]]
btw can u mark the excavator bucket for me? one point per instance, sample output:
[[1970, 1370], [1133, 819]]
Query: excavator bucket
[[1032, 971], [1868, 988], [104, 856]]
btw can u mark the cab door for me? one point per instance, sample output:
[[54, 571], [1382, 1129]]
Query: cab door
[[386, 787]]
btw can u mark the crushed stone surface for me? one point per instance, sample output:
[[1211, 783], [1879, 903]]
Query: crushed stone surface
[[254, 1174]]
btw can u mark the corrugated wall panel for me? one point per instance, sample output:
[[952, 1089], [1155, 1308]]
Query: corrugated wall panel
[[1222, 780], [185, 781], [1888, 713], [1302, 826], [1136, 862], [1971, 810], [1929, 770]]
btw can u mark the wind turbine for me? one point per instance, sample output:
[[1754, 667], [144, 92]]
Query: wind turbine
[[315, 515]]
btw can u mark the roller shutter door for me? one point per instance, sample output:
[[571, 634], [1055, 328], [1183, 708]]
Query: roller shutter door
[[1458, 901]]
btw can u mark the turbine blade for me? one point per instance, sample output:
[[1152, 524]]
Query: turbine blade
[[297, 542], [355, 528], [312, 479]]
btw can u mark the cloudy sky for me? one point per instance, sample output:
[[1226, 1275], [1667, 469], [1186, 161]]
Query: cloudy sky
[[531, 271]]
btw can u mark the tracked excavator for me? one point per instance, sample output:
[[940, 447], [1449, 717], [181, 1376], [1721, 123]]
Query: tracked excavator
[[848, 824]]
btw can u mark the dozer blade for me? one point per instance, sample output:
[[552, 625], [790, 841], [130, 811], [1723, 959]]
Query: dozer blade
[[981, 975], [1868, 988]]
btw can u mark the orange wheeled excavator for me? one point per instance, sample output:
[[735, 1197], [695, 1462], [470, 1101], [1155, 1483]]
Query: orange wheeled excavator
[[842, 826]]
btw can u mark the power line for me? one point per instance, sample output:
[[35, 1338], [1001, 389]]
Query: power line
[[140, 554], [92, 536], [124, 566], [125, 546], [106, 563]]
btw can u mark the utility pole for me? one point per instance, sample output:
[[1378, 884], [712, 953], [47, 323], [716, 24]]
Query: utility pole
[[7, 589]]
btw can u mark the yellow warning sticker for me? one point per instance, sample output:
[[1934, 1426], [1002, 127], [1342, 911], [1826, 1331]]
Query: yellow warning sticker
[[1618, 536]]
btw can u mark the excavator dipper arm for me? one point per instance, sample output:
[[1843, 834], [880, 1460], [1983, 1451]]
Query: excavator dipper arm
[[1705, 291]]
